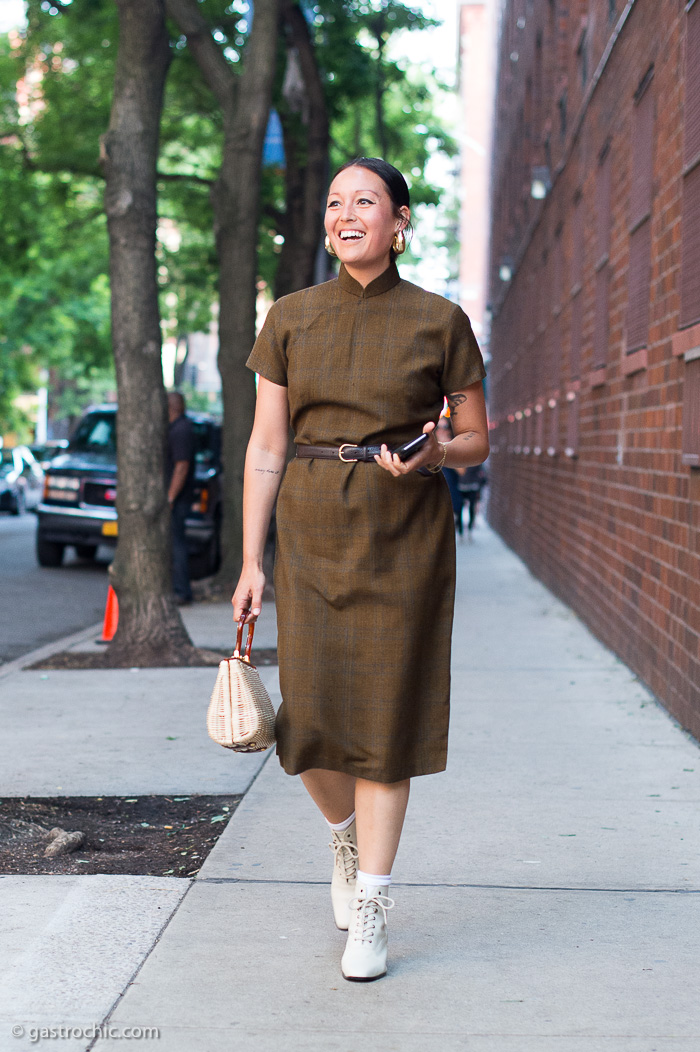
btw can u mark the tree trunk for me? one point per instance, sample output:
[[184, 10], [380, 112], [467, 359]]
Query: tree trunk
[[306, 138], [245, 103], [150, 628]]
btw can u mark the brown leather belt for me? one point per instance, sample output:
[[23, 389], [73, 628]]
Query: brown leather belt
[[348, 453]]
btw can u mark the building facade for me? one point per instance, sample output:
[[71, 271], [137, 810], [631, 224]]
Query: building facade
[[594, 281], [477, 59]]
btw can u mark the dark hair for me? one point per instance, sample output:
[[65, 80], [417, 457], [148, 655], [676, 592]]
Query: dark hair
[[392, 179]]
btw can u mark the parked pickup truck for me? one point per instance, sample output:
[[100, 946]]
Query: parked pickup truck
[[80, 491]]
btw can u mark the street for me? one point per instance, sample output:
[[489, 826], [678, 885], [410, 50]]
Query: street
[[38, 605], [545, 888]]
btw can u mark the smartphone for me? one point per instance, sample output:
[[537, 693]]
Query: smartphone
[[409, 449]]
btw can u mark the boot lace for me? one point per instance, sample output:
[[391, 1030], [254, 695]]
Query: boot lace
[[365, 921], [346, 856]]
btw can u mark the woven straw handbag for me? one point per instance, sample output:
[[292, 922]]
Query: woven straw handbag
[[240, 714]]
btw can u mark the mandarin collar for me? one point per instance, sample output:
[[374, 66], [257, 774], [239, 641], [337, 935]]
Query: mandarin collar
[[387, 280]]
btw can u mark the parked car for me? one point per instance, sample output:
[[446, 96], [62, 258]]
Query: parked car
[[45, 453], [21, 480], [80, 492]]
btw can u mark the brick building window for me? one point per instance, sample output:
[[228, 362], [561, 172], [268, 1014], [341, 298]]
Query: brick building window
[[519, 431], [691, 414], [527, 430], [572, 425], [554, 290], [639, 277], [558, 275], [553, 427], [690, 215], [576, 334], [554, 377], [602, 266], [543, 294], [539, 429], [601, 335], [582, 56], [639, 270], [577, 237]]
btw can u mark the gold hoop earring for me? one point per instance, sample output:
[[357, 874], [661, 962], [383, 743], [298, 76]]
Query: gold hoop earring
[[329, 248], [399, 242]]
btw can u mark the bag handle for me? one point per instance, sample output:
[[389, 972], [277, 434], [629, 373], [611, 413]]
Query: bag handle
[[239, 638]]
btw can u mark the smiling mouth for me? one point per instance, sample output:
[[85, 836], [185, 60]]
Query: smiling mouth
[[351, 235]]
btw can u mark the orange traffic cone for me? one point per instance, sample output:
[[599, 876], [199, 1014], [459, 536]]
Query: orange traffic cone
[[111, 620]]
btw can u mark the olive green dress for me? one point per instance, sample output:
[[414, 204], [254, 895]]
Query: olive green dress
[[365, 562]]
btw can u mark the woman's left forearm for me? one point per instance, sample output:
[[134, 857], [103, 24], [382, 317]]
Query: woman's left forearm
[[470, 427], [466, 450]]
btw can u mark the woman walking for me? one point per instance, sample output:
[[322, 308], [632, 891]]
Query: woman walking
[[365, 561]]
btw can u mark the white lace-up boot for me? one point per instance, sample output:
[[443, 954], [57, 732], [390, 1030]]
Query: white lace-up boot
[[344, 846], [366, 949]]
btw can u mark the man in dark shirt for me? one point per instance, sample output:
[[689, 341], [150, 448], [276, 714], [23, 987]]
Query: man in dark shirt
[[180, 481]]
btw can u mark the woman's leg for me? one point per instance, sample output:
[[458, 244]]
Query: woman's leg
[[381, 809], [332, 792], [334, 795], [380, 806]]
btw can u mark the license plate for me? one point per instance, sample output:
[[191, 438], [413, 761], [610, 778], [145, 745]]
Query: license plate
[[110, 528]]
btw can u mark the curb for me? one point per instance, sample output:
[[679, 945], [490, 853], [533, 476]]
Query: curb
[[50, 648]]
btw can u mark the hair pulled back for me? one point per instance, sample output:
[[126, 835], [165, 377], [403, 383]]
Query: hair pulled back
[[392, 179]]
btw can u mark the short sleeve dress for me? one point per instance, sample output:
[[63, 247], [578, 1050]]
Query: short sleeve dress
[[365, 562]]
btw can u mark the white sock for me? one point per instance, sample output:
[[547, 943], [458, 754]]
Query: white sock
[[340, 827], [374, 880]]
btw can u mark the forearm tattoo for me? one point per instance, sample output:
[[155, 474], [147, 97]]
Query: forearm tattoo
[[265, 471], [455, 400]]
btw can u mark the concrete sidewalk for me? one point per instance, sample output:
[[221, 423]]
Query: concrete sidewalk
[[546, 886]]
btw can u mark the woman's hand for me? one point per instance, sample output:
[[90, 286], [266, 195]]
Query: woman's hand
[[428, 456], [248, 595]]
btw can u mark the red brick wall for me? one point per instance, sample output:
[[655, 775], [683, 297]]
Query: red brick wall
[[603, 510]]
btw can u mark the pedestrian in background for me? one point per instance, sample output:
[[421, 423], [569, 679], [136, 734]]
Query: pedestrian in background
[[452, 476], [471, 485], [365, 560], [180, 482]]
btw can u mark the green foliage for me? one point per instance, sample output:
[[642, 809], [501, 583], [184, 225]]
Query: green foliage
[[54, 286], [379, 106], [54, 292], [54, 289], [376, 106]]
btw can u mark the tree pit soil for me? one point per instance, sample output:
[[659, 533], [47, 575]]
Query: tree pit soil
[[139, 836], [76, 659]]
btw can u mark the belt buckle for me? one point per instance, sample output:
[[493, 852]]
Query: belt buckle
[[347, 445]]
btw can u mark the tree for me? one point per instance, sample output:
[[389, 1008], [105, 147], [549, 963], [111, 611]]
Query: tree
[[150, 629], [244, 100], [341, 97]]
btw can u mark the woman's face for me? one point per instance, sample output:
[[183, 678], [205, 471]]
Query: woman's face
[[361, 218]]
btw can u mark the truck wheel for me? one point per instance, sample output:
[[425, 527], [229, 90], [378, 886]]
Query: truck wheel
[[49, 553], [86, 551]]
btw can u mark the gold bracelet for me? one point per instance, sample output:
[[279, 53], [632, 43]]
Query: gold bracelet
[[438, 467]]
